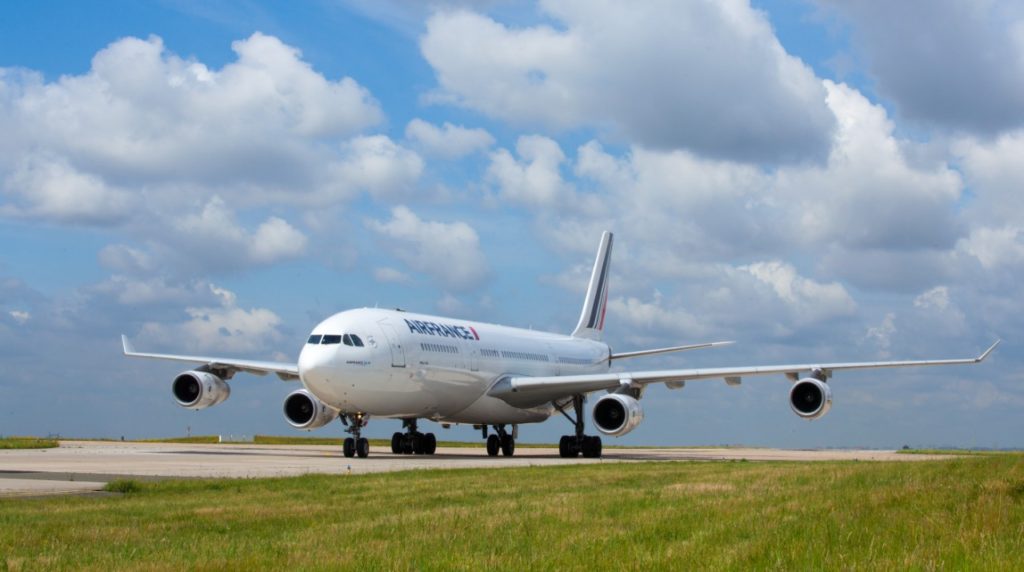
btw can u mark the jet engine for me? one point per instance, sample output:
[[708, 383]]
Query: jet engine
[[304, 411], [616, 414], [810, 398], [199, 389]]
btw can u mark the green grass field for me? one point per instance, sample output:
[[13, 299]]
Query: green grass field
[[27, 443], [966, 513]]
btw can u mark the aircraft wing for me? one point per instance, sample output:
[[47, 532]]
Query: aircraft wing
[[533, 391], [285, 371]]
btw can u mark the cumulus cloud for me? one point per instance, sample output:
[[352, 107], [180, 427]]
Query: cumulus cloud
[[20, 316], [708, 76], [224, 327], [448, 252], [812, 301], [448, 141], [952, 64], [215, 234], [384, 274], [995, 247], [869, 195], [936, 298], [145, 135], [534, 179]]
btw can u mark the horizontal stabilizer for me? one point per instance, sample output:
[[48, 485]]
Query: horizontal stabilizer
[[641, 353]]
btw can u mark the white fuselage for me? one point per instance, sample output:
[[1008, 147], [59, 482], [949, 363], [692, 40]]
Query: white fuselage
[[389, 363]]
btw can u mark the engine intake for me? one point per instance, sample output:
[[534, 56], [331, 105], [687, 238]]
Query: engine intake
[[304, 411], [616, 414], [199, 389], [810, 398]]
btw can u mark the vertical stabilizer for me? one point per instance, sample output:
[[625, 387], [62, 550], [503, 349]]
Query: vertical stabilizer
[[592, 317]]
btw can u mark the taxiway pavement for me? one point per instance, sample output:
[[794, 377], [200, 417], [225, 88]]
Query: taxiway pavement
[[85, 466]]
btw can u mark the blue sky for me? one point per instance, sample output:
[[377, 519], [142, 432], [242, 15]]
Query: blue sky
[[816, 180]]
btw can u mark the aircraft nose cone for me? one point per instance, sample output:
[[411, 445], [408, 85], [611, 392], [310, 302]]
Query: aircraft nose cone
[[312, 362]]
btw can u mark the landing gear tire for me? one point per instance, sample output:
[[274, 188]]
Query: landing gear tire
[[591, 447], [362, 447], [567, 446], [429, 444], [417, 444], [348, 447], [508, 445], [493, 444], [396, 443]]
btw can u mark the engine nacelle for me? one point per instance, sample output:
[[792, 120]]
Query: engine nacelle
[[810, 398], [199, 389], [616, 414], [304, 411]]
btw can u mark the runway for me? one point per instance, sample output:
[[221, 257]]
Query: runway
[[85, 466]]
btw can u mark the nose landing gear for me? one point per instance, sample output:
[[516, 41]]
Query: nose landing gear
[[356, 444]]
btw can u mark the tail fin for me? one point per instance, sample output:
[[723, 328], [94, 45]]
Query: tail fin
[[592, 317]]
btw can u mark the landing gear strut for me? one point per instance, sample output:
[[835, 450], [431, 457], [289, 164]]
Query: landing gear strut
[[573, 445], [356, 444], [412, 441], [503, 441]]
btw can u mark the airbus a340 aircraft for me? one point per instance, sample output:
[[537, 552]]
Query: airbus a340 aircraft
[[389, 363]]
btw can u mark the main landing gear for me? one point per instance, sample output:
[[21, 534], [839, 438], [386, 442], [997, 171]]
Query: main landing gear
[[503, 441], [356, 444], [412, 441], [573, 445]]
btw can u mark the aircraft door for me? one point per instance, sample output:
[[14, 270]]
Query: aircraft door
[[395, 343]]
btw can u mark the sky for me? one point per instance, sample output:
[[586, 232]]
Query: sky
[[817, 180]]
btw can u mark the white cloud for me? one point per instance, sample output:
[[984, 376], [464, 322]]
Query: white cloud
[[995, 247], [809, 299], [654, 317], [385, 274], [20, 316], [936, 298], [708, 76], [374, 164], [533, 180], [869, 195], [448, 141], [145, 135], [448, 252], [50, 188], [881, 335], [214, 235], [220, 328]]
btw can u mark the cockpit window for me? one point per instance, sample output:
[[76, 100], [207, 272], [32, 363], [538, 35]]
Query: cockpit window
[[314, 339], [347, 340], [356, 341], [331, 339]]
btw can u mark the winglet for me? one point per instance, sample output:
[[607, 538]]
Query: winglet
[[128, 348], [982, 357]]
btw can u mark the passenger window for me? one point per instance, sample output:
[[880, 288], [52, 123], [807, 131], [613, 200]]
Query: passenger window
[[331, 339], [356, 341], [313, 339]]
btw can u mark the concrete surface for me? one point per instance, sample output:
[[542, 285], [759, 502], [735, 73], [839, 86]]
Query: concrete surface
[[83, 466]]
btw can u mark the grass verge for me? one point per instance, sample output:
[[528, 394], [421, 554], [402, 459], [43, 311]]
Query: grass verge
[[965, 513], [27, 443]]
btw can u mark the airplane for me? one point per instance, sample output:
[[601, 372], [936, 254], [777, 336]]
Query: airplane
[[394, 364]]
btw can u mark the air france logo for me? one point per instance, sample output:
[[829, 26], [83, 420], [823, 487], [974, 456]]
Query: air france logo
[[444, 330]]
